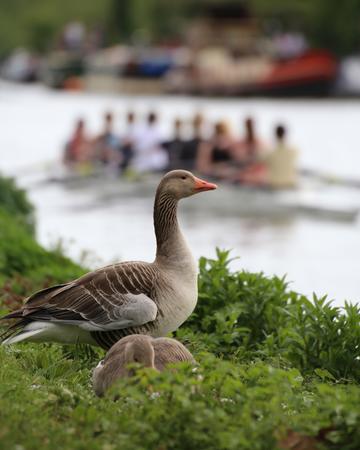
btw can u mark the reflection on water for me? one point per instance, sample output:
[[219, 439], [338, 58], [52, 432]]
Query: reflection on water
[[115, 222]]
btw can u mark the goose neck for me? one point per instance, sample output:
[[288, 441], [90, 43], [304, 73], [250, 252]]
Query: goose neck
[[140, 352], [168, 235]]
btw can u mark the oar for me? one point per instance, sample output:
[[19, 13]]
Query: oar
[[331, 178]]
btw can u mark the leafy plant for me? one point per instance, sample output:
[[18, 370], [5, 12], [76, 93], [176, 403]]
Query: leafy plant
[[246, 316]]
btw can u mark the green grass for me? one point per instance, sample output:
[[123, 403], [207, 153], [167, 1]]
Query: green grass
[[46, 394], [271, 364]]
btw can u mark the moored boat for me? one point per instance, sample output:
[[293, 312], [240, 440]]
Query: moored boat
[[311, 74]]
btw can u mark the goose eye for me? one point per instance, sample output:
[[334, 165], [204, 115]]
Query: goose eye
[[183, 177]]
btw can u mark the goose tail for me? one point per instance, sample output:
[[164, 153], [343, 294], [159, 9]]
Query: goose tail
[[15, 333], [20, 336]]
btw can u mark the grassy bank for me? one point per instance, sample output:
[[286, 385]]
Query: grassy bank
[[275, 369]]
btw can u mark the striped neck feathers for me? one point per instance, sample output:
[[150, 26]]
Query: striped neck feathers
[[167, 231]]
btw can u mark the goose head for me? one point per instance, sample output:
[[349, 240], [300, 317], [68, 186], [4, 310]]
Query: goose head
[[182, 183], [140, 351]]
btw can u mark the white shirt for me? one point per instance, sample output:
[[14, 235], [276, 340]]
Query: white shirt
[[149, 155], [282, 166]]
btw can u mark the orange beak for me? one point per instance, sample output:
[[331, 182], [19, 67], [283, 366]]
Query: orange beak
[[202, 185]]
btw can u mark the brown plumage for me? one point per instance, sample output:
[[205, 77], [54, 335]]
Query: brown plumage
[[126, 298], [149, 352]]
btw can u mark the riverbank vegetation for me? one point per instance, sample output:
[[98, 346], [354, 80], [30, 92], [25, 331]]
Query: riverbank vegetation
[[39, 27], [275, 369]]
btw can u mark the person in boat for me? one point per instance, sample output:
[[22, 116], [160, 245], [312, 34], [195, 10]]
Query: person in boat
[[191, 147], [174, 147], [277, 169], [106, 144], [281, 162], [149, 154], [77, 150], [215, 157], [128, 141], [250, 147]]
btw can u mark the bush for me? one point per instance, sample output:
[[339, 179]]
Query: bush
[[14, 201], [244, 315], [25, 266], [21, 254]]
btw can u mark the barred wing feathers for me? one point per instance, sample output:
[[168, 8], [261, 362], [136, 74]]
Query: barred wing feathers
[[114, 297]]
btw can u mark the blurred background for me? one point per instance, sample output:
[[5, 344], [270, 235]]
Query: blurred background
[[97, 99]]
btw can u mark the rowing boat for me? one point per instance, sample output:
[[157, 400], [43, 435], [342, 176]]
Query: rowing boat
[[313, 198]]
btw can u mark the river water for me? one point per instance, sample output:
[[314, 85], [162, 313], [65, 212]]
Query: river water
[[317, 254]]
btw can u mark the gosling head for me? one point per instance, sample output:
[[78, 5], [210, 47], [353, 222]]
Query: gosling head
[[181, 184], [139, 351]]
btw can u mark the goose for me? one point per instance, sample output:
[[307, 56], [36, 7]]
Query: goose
[[104, 305], [156, 353]]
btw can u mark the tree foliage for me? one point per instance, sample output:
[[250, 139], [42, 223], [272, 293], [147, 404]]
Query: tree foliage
[[327, 23], [38, 24]]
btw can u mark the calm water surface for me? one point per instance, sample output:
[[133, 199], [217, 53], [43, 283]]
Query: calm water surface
[[319, 256]]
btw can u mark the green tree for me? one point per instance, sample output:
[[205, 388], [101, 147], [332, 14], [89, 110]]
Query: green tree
[[336, 25], [149, 20], [327, 23], [37, 25]]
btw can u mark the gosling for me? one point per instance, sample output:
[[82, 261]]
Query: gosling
[[156, 353]]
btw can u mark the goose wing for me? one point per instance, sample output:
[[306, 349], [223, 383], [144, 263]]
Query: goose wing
[[115, 297]]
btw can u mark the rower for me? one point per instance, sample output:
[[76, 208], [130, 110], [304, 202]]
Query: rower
[[174, 147], [281, 162], [106, 144]]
